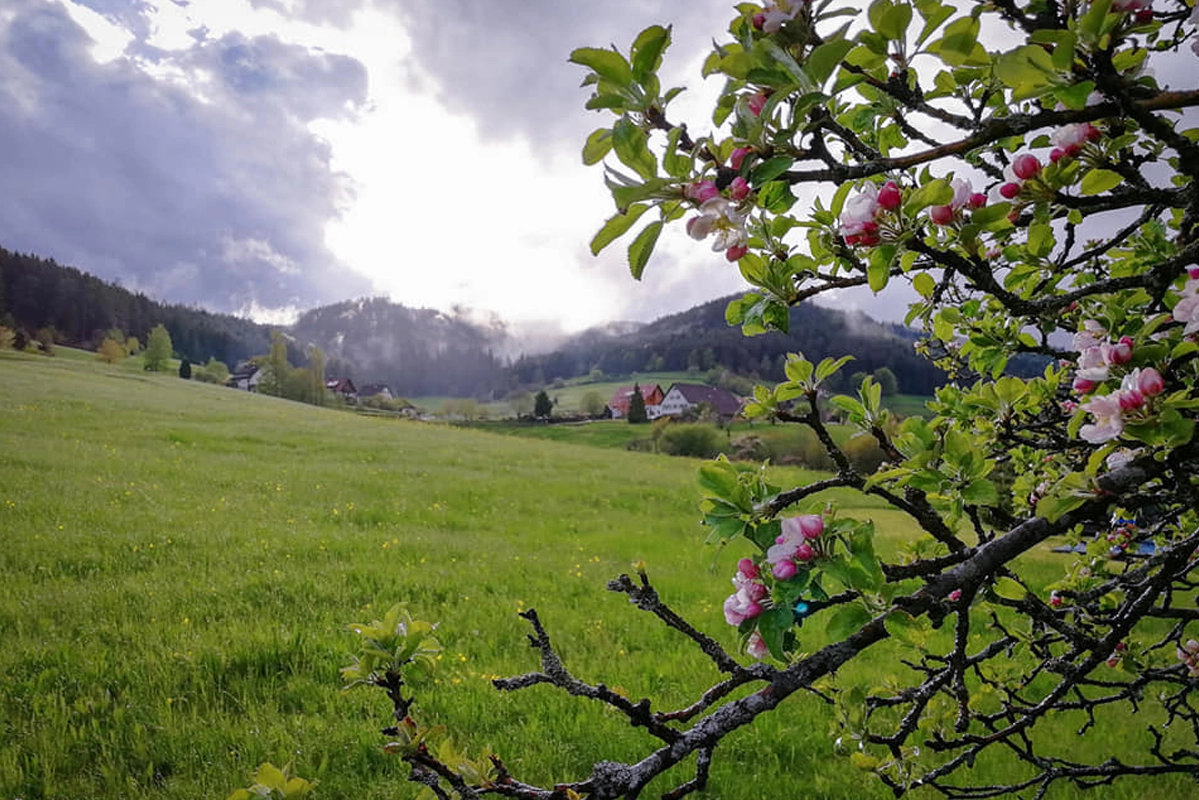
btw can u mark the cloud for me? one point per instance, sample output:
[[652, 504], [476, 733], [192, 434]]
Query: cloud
[[189, 174]]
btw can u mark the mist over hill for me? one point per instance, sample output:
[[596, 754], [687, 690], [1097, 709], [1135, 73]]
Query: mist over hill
[[422, 352]]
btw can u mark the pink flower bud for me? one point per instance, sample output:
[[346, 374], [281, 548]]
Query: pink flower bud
[[811, 525], [736, 252], [748, 568], [701, 191], [1144, 16], [890, 196], [739, 188], [784, 570], [1150, 382], [977, 200], [1130, 400], [759, 20], [1084, 386], [1092, 133], [753, 610], [1073, 150], [1009, 191], [1055, 600], [941, 215], [1056, 154], [754, 591], [1193, 273], [737, 157], [955, 595], [756, 103], [1119, 353], [805, 552], [1025, 166]]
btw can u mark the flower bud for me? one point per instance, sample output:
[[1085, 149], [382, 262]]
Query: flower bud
[[759, 20], [785, 570], [1025, 166], [977, 200], [1119, 353], [1009, 191], [753, 610], [736, 252], [955, 595], [748, 568], [737, 157], [941, 215], [1056, 154], [1150, 382], [811, 525], [739, 188], [701, 191], [1130, 400], [890, 196], [756, 103], [805, 552]]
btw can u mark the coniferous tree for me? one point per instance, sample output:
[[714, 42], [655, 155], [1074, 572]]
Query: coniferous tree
[[185, 369], [637, 414], [542, 405]]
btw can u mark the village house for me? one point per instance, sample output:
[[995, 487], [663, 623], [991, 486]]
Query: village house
[[682, 397], [375, 390], [245, 376], [344, 387], [619, 404]]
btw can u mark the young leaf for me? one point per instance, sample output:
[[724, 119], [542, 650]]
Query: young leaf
[[642, 248], [615, 227]]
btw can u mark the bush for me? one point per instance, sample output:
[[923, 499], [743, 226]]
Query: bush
[[694, 440]]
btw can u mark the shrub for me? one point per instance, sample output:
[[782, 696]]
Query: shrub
[[693, 439]]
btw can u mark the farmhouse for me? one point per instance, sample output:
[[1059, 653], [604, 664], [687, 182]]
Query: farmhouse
[[343, 387], [682, 397], [246, 376], [376, 390], [619, 404]]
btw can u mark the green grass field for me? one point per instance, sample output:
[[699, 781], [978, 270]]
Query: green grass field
[[180, 561]]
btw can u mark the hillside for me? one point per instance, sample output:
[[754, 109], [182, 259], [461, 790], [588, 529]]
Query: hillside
[[700, 339], [422, 352]]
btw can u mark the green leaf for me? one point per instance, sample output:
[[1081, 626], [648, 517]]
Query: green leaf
[[878, 270], [1040, 239], [1027, 68], [990, 214], [631, 147], [924, 284], [608, 64], [827, 57], [647, 51], [1009, 589], [642, 247], [776, 197], [980, 492], [597, 146], [1099, 180], [773, 627], [934, 193], [847, 620], [677, 163], [959, 41], [934, 14], [615, 227], [770, 169], [1091, 23], [894, 23]]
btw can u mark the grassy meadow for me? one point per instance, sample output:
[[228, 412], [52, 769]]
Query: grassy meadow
[[179, 562]]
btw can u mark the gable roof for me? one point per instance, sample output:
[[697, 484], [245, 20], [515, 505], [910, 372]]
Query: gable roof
[[725, 402]]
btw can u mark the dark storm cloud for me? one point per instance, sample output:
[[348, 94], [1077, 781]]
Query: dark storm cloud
[[505, 64], [219, 202]]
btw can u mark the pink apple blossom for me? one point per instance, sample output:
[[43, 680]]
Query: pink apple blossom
[[756, 646], [747, 569], [805, 526], [941, 215], [784, 570], [857, 217], [1109, 419], [739, 188], [1187, 309], [720, 217], [1188, 654], [777, 13]]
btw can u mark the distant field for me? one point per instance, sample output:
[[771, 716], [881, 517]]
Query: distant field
[[180, 561]]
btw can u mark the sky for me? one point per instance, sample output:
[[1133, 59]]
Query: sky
[[263, 157]]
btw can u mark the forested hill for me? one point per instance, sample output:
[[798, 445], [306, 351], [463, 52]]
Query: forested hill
[[39, 294], [700, 339], [416, 352], [421, 352]]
